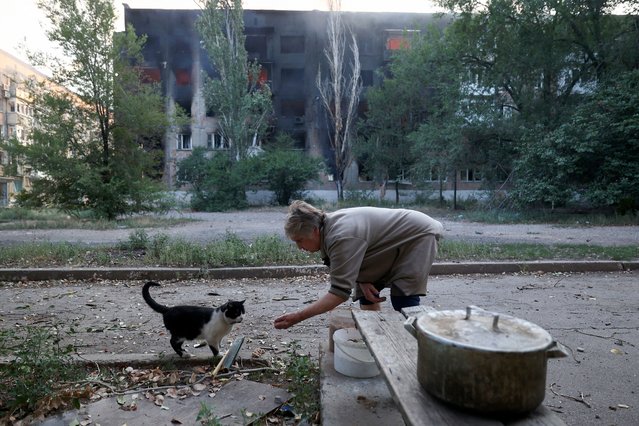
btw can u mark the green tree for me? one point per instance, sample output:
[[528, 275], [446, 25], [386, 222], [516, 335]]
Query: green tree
[[527, 66], [241, 102], [93, 149], [594, 155], [420, 136], [242, 106]]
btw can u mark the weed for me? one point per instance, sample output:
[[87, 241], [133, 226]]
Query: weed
[[206, 416], [40, 364], [303, 375], [138, 240]]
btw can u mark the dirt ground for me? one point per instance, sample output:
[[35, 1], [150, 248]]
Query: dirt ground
[[595, 315]]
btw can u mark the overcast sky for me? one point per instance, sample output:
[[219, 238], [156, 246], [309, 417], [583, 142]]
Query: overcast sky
[[22, 23]]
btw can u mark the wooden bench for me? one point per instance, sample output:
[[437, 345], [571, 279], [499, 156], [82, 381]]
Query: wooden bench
[[395, 351]]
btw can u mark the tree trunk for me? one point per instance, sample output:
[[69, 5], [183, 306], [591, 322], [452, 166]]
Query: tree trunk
[[455, 191]]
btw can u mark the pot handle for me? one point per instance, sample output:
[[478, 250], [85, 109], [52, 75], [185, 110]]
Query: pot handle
[[556, 350], [409, 325]]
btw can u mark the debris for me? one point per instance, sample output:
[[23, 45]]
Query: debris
[[580, 399]]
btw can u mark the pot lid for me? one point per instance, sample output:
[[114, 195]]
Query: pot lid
[[476, 328]]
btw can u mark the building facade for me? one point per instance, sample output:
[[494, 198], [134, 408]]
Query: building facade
[[16, 119], [289, 46]]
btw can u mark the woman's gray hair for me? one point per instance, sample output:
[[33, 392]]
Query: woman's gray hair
[[302, 218]]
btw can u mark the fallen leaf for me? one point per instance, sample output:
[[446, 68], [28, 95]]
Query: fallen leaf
[[159, 400], [616, 351], [199, 387]]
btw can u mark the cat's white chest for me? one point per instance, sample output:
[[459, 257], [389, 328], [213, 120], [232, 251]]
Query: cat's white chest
[[215, 329]]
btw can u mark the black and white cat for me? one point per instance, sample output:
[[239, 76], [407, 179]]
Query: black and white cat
[[196, 322]]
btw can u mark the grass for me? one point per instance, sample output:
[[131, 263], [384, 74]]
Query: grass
[[303, 373], [543, 217], [461, 251], [268, 250], [34, 381]]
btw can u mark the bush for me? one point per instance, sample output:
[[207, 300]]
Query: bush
[[217, 183], [286, 170]]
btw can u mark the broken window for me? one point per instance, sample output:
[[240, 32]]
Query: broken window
[[292, 44], [470, 175], [184, 141]]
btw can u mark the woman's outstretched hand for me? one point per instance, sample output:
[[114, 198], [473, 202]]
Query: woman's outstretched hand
[[286, 320]]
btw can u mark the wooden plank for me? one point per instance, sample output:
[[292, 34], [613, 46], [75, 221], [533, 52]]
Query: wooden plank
[[395, 351]]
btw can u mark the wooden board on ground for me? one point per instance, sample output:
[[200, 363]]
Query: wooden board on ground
[[395, 351]]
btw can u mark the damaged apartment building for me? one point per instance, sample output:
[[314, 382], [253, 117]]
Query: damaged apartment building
[[289, 45], [16, 121]]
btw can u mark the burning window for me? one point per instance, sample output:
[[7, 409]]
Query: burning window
[[396, 43], [182, 77], [150, 75]]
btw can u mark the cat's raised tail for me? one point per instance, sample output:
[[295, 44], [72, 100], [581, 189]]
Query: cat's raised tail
[[152, 303]]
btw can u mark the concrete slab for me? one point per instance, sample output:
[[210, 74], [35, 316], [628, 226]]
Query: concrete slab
[[230, 404], [354, 402]]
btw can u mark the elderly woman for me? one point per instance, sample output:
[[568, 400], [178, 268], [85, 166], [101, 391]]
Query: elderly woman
[[367, 249]]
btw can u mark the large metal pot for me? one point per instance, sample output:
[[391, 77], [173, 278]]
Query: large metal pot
[[483, 361]]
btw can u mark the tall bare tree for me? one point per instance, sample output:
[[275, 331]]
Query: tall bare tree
[[339, 91]]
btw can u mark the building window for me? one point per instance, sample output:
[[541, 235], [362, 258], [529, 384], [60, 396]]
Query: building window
[[184, 141], [401, 177], [216, 141], [292, 107], [470, 175], [291, 81], [367, 78], [292, 44], [434, 175], [256, 47], [396, 43]]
